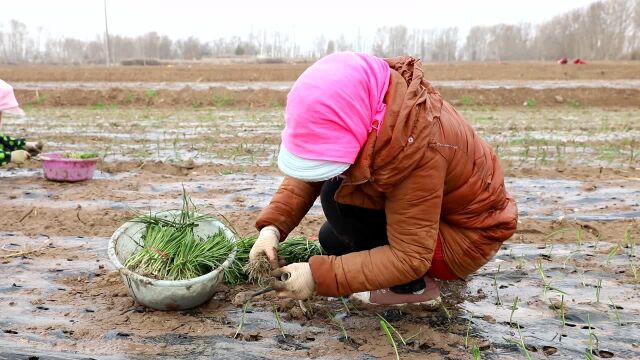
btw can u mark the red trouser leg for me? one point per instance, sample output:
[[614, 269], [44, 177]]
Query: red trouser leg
[[439, 268]]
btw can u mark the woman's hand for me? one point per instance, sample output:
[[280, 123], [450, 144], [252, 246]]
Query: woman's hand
[[19, 156], [266, 245], [299, 285]]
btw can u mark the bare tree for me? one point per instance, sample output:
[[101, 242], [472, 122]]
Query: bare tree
[[391, 41], [343, 45], [331, 47], [607, 29]]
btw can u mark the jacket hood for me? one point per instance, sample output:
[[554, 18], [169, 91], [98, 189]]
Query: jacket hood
[[413, 107]]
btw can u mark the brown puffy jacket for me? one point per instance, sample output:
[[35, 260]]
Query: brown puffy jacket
[[431, 173]]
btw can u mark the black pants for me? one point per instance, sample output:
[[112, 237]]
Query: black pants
[[351, 228]]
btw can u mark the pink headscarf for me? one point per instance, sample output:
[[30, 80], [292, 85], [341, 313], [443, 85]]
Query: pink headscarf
[[8, 102], [334, 105]]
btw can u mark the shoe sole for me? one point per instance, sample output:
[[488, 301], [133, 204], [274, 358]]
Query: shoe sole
[[430, 304]]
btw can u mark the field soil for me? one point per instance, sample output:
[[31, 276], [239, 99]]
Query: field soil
[[289, 72], [565, 285]]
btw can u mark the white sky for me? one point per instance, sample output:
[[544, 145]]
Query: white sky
[[212, 19]]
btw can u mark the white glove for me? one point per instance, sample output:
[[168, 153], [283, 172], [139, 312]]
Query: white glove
[[19, 156], [266, 244], [34, 148], [300, 284]]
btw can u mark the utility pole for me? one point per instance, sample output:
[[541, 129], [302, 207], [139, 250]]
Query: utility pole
[[106, 34]]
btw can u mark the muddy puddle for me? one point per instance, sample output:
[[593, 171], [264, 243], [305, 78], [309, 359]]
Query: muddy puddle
[[569, 300], [286, 85]]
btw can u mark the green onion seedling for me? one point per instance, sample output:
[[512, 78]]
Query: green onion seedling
[[278, 320], [615, 309], [514, 307], [392, 341], [242, 317]]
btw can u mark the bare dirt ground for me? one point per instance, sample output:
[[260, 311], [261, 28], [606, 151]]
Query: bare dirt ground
[[566, 284], [253, 85], [268, 98], [289, 72]]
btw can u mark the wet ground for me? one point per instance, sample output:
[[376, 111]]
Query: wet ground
[[572, 171], [63, 300], [525, 138], [565, 299], [538, 198]]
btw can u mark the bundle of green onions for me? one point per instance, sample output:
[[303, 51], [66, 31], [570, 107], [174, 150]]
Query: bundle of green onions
[[293, 250], [299, 249], [171, 249], [236, 274], [82, 155]]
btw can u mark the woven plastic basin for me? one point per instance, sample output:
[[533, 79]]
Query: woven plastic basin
[[58, 168], [166, 294]]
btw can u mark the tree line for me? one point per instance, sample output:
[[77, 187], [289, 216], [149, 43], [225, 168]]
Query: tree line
[[604, 30]]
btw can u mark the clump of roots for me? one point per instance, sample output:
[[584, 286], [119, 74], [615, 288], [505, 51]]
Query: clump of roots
[[259, 271]]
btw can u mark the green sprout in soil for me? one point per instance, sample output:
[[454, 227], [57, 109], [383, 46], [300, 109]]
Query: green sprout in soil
[[612, 253], [392, 341], [172, 251], [615, 310], [340, 325], [634, 270], [581, 276], [389, 326], [475, 352], [566, 260], [554, 233], [407, 340], [546, 284], [562, 312], [521, 344], [550, 251], [446, 311], [151, 93], [345, 304], [495, 285], [521, 263], [245, 307], [629, 240], [592, 336], [278, 320], [596, 241], [514, 307], [579, 236], [598, 287], [466, 337], [403, 340]]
